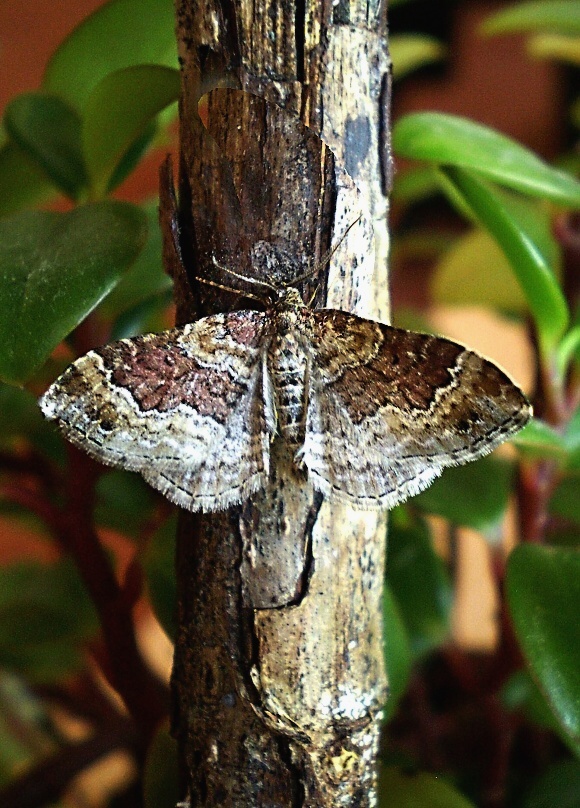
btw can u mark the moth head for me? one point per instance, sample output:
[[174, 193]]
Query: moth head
[[288, 297]]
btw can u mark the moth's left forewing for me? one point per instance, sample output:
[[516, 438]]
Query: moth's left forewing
[[389, 409], [185, 408]]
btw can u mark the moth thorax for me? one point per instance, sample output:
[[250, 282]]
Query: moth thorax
[[287, 365]]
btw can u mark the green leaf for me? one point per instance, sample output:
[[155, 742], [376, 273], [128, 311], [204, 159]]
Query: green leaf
[[475, 271], [19, 415], [145, 278], [419, 582], [397, 651], [134, 153], [567, 350], [45, 614], [510, 225], [453, 141], [572, 433], [159, 568], [415, 184], [124, 502], [539, 15], [117, 113], [19, 709], [554, 46], [520, 692], [538, 438], [411, 51], [565, 500], [54, 269], [400, 790], [558, 785], [21, 422], [49, 131], [119, 34], [149, 316], [161, 778], [22, 183], [543, 591], [475, 495]]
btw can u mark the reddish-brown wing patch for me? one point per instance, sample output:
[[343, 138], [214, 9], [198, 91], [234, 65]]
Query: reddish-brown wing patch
[[161, 374]]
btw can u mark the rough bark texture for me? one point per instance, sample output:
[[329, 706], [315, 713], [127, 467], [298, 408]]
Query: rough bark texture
[[278, 677]]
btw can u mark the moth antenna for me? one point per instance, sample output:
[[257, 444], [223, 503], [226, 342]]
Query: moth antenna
[[243, 277], [327, 256], [229, 289]]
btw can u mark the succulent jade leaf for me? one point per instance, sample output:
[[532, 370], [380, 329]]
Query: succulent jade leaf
[[49, 131], [124, 502], [567, 350], [161, 776], [521, 693], [565, 501], [117, 112], [397, 789], [475, 495], [543, 592], [119, 34], [572, 433], [474, 271], [135, 152], [19, 705], [397, 652], [558, 785], [562, 16], [538, 438], [449, 140], [45, 613], [419, 582], [146, 277], [19, 414], [54, 269], [555, 47], [411, 51], [161, 781], [148, 316], [507, 220], [23, 183], [415, 184]]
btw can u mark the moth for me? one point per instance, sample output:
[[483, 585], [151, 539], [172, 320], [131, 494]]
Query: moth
[[372, 414]]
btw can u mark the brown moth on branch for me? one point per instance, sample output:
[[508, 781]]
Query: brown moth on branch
[[372, 413]]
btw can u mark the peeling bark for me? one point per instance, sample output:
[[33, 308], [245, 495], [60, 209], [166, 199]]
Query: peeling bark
[[278, 678]]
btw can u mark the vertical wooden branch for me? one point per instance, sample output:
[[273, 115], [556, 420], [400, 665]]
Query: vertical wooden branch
[[278, 677]]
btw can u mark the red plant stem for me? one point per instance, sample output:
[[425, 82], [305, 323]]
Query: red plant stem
[[82, 697], [144, 694], [502, 728], [536, 485], [32, 501]]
